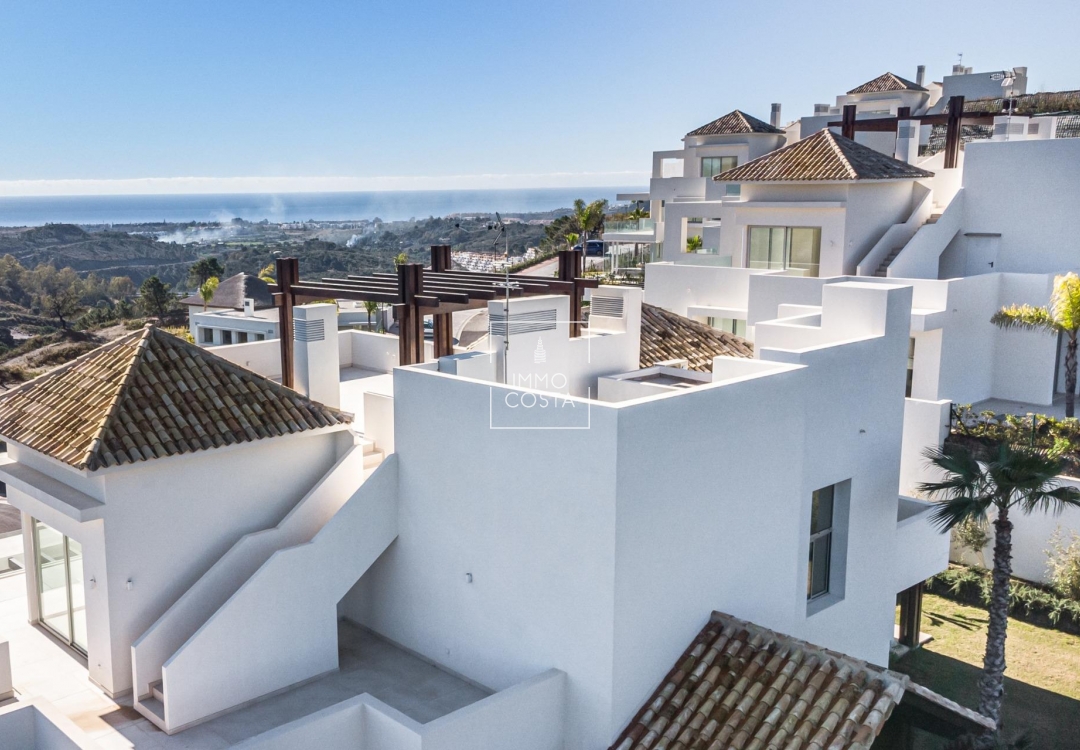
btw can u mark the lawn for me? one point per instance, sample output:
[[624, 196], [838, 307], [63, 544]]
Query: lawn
[[1042, 683]]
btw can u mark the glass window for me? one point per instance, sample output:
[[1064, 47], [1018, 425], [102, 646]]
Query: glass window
[[910, 365], [206, 335], [226, 337], [729, 325], [784, 248], [241, 337], [821, 531], [714, 165], [260, 337]]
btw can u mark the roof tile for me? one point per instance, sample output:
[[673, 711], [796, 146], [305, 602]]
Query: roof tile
[[734, 123], [772, 691], [887, 82], [666, 336], [150, 395], [823, 157]]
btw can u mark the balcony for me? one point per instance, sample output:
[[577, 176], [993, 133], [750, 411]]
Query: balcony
[[922, 550]]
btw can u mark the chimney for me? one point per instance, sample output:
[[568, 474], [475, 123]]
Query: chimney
[[821, 109], [958, 69], [774, 117], [920, 74], [315, 341], [249, 307]]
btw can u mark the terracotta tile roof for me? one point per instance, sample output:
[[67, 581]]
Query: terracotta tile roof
[[823, 156], [232, 291], [733, 123], [887, 82], [147, 395], [666, 336], [742, 687]]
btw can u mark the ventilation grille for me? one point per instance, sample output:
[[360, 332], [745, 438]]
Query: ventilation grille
[[905, 131], [526, 322], [309, 330], [1011, 128], [1033, 128], [608, 307]]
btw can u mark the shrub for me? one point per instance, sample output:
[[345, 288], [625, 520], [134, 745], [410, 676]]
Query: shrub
[[1063, 563], [971, 534]]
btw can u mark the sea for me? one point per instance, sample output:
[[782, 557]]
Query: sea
[[289, 207]]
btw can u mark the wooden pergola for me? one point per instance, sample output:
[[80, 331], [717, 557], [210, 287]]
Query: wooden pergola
[[415, 292], [952, 120]]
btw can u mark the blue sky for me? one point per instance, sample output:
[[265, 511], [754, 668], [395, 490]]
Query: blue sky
[[229, 95]]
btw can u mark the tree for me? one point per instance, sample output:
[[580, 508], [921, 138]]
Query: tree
[[372, 308], [589, 217], [693, 244], [121, 288], [1017, 478], [267, 273], [1062, 315], [155, 297], [207, 289], [58, 291], [204, 269], [572, 239], [401, 259]]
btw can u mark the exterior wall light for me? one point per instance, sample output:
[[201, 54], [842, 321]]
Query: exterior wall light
[[130, 584], [468, 578]]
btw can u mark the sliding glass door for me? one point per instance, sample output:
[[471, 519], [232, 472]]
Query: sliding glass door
[[61, 596], [793, 249]]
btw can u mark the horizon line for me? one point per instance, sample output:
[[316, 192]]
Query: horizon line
[[58, 188]]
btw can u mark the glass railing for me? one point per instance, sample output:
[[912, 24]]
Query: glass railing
[[630, 225]]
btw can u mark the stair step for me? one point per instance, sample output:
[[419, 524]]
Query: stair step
[[373, 459], [156, 707], [881, 273], [157, 691]]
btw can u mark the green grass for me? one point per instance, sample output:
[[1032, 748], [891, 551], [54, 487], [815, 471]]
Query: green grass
[[1042, 680]]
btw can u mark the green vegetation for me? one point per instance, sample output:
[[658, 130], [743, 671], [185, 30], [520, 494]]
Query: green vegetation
[[1042, 689], [156, 298], [1015, 480], [1038, 605], [1061, 316], [982, 433]]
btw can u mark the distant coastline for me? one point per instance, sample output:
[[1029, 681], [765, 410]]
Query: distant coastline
[[288, 207]]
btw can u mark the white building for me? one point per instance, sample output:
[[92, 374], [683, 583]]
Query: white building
[[550, 528], [241, 310]]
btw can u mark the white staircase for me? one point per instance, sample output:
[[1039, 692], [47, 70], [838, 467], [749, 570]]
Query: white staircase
[[264, 617]]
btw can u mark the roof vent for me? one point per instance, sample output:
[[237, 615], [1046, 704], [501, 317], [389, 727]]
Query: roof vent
[[608, 307], [524, 322]]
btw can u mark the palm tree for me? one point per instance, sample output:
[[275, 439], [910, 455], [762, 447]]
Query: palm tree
[[693, 244], [572, 239], [589, 217], [1016, 478], [372, 308], [1062, 315], [207, 289]]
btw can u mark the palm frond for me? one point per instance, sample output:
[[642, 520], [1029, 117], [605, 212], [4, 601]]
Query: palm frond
[[956, 510], [1065, 302], [1025, 317]]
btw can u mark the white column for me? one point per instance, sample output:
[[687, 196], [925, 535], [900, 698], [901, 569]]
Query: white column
[[907, 141], [316, 367]]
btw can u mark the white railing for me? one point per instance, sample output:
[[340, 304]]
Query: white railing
[[898, 235], [527, 716], [280, 627], [236, 566], [919, 258]]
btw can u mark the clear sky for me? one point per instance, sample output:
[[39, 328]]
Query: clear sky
[[188, 96]]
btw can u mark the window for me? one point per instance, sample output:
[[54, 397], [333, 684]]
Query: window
[[910, 365], [206, 335], [714, 165], [241, 337], [226, 337], [260, 337], [729, 325], [785, 248], [821, 538]]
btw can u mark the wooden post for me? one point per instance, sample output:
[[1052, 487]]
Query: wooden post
[[911, 615], [847, 122], [410, 318], [570, 262], [444, 322], [288, 273], [952, 131]]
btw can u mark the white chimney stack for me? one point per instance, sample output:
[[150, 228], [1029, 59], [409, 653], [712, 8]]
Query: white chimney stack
[[774, 117], [316, 370], [920, 74], [249, 307]]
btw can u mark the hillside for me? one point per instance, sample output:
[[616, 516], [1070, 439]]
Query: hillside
[[106, 253]]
